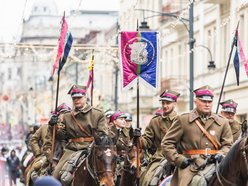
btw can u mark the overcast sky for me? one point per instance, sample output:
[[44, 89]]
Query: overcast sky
[[12, 11]]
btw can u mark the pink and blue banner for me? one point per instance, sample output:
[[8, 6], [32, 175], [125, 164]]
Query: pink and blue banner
[[139, 57], [62, 42]]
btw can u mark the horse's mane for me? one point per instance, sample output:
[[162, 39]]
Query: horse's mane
[[103, 140], [231, 154]]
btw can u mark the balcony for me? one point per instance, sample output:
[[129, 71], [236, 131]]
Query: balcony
[[216, 1]]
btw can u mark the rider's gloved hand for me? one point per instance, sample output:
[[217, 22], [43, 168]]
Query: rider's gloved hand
[[186, 162], [54, 120], [136, 135], [137, 132]]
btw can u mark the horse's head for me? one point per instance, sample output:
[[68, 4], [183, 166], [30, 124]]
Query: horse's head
[[244, 152], [104, 160]]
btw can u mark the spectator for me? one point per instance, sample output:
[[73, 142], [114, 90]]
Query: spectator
[[47, 181], [2, 166], [13, 164]]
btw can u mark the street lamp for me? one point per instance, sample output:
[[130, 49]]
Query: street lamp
[[211, 64], [190, 30]]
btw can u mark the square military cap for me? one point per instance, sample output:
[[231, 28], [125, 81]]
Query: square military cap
[[204, 93], [116, 115], [77, 91], [229, 106], [169, 95]]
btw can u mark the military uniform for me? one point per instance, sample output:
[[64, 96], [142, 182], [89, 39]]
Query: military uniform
[[193, 143], [89, 119], [236, 129], [153, 135], [37, 147], [230, 107]]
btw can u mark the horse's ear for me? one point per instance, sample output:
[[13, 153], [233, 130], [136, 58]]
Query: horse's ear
[[244, 128]]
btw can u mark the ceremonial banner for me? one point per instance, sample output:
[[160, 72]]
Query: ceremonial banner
[[62, 42], [139, 57], [68, 44]]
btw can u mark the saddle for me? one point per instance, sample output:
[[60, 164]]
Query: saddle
[[71, 165]]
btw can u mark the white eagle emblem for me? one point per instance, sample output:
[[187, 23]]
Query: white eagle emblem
[[212, 132], [139, 52]]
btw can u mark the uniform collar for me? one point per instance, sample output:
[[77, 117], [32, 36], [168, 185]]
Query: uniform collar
[[193, 115], [86, 109], [171, 116]]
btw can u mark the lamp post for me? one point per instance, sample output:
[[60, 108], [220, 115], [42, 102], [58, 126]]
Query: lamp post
[[211, 64], [190, 30]]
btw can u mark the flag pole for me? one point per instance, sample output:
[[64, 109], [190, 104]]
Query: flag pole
[[56, 105], [138, 144], [227, 67], [92, 81]]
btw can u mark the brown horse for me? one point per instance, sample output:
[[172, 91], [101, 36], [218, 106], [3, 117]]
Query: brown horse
[[129, 171], [99, 166], [233, 169]]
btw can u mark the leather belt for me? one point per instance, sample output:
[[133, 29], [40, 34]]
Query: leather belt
[[200, 151], [82, 139]]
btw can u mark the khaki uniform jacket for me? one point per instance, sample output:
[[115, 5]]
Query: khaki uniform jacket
[[89, 118], [155, 131], [185, 133], [38, 139], [236, 129], [123, 140]]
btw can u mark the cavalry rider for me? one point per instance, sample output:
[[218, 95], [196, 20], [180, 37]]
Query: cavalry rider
[[155, 131], [41, 143], [119, 129], [229, 108], [194, 137], [79, 127]]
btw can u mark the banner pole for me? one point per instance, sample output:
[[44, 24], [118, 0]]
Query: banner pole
[[227, 67]]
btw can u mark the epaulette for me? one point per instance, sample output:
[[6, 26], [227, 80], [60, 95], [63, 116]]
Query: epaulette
[[98, 109], [220, 116], [155, 116], [184, 113]]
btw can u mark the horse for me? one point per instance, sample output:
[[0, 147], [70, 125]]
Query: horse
[[233, 169], [129, 170], [98, 168]]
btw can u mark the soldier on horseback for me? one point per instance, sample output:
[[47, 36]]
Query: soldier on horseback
[[229, 108], [78, 129], [154, 133], [40, 144], [195, 138]]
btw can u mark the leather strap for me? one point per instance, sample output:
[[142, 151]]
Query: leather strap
[[207, 134], [82, 139], [200, 151], [80, 127]]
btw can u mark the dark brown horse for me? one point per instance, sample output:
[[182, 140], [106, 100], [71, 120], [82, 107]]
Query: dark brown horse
[[233, 169], [99, 166], [129, 171]]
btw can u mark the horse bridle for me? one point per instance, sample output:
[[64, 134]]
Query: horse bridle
[[94, 173], [219, 176]]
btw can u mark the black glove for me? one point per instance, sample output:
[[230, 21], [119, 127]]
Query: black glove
[[136, 135], [54, 120], [137, 132], [186, 162], [218, 157]]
